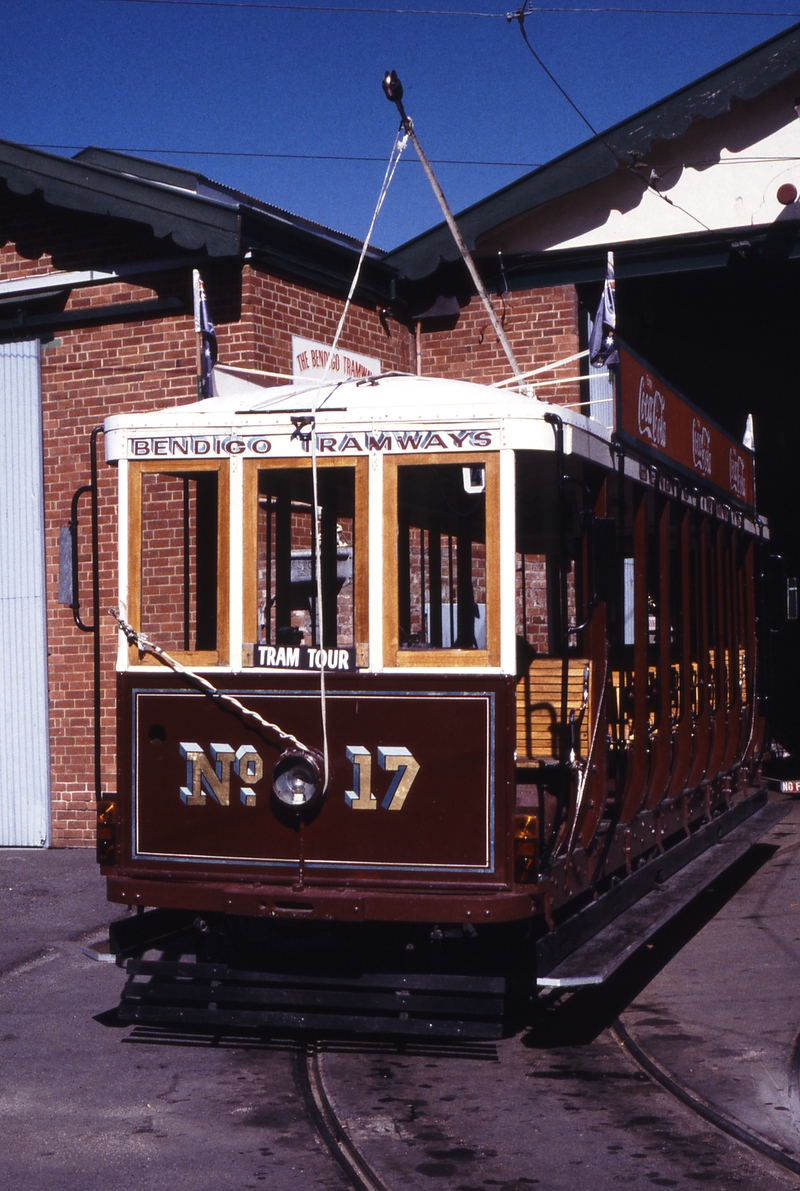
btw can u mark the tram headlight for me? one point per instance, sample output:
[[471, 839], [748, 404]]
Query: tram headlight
[[297, 778]]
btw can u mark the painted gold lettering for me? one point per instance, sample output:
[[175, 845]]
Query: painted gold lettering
[[405, 767], [360, 798], [249, 768], [214, 776]]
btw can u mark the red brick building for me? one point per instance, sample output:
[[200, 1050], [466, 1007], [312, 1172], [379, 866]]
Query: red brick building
[[95, 319]]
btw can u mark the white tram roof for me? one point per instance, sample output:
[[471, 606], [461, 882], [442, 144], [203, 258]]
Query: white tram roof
[[252, 416]]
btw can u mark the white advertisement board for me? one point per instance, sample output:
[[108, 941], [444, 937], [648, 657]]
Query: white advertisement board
[[312, 361]]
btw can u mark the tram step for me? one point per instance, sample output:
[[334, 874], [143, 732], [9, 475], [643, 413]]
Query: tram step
[[445, 1006], [606, 951]]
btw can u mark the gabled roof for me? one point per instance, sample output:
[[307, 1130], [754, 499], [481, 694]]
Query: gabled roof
[[193, 211], [189, 181], [746, 77], [193, 221]]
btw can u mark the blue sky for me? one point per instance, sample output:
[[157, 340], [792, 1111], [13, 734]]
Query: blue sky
[[170, 79]]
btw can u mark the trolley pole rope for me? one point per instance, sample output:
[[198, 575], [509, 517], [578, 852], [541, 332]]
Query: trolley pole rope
[[394, 159], [145, 645]]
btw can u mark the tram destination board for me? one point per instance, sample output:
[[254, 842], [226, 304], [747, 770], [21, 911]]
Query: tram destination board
[[659, 422], [304, 657]]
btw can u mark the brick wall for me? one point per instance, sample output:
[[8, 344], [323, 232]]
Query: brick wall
[[541, 325], [137, 364], [273, 310], [87, 374], [140, 364]]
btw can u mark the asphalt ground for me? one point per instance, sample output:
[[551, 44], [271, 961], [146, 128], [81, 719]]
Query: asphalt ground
[[715, 1000], [48, 896]]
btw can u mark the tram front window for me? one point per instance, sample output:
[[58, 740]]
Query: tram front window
[[178, 561], [441, 556], [287, 590]]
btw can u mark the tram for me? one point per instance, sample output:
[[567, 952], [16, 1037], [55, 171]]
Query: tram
[[446, 665]]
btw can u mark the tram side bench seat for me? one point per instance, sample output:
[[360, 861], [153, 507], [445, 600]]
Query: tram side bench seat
[[539, 708]]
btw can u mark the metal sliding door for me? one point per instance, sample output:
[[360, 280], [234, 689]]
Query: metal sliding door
[[24, 737]]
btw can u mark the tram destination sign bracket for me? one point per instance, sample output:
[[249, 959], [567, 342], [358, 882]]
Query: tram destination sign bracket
[[662, 424]]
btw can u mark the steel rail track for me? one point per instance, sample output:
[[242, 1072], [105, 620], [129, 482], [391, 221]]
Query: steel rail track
[[691, 1099], [331, 1130]]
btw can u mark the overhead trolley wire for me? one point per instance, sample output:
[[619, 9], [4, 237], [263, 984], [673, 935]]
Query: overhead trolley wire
[[406, 12], [636, 165], [449, 12], [739, 159]]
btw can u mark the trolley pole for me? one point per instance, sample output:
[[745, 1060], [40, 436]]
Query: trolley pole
[[393, 89]]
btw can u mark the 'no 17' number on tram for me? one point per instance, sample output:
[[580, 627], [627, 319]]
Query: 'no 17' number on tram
[[396, 759], [212, 775]]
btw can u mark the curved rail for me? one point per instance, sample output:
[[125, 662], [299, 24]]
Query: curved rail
[[727, 1124], [328, 1125]]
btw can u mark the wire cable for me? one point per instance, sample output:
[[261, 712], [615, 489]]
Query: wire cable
[[636, 167], [400, 142], [739, 159], [449, 12], [405, 12]]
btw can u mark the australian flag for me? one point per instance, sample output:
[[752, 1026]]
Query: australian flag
[[602, 341], [208, 340]]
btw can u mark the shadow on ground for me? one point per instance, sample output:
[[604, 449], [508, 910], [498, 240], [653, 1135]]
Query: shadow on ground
[[576, 1019]]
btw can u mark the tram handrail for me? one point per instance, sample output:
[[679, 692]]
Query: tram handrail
[[74, 602]]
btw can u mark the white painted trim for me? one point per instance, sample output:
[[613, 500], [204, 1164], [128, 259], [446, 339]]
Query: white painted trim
[[508, 562], [236, 562], [122, 558], [376, 593], [450, 670], [83, 277]]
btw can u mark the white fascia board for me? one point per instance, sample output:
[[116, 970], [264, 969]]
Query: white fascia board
[[84, 277], [165, 433]]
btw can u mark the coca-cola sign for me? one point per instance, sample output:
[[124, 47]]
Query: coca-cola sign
[[652, 411], [701, 447], [738, 473], [659, 421]]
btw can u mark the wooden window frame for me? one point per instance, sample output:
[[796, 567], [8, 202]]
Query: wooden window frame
[[455, 659], [136, 469], [252, 467]]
